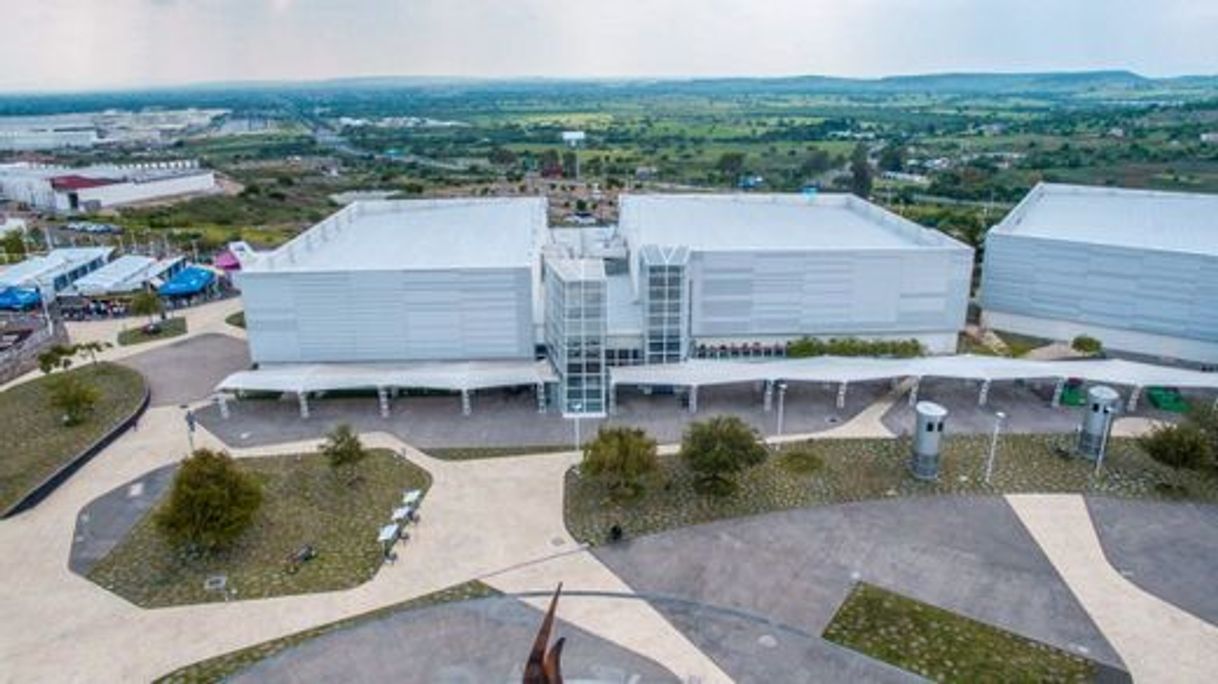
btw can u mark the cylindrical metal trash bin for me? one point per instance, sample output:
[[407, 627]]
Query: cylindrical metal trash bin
[[1103, 403], [928, 432]]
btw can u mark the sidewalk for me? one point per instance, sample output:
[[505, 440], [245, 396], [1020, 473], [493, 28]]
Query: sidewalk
[[1157, 641]]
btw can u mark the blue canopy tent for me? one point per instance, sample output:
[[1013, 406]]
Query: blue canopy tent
[[190, 281], [19, 299]]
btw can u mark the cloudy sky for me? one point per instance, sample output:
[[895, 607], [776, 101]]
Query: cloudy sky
[[75, 44]]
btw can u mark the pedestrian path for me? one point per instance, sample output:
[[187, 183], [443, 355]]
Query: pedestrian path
[[1158, 641]]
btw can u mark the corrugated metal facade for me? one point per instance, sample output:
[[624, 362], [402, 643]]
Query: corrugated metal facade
[[846, 292], [1160, 292], [417, 315]]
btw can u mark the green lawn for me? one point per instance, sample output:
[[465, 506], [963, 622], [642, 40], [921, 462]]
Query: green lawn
[[237, 320], [35, 441], [304, 502], [840, 470], [943, 646], [224, 666], [170, 327]]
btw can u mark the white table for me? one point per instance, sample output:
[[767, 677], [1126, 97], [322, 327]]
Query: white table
[[411, 497], [403, 513], [388, 534]]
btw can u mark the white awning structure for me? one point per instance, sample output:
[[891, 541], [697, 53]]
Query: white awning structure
[[697, 373], [451, 376]]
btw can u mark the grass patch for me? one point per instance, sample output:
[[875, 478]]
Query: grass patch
[[170, 327], [477, 453], [35, 441], [943, 646], [860, 469], [1018, 345], [304, 502], [224, 666], [237, 320]]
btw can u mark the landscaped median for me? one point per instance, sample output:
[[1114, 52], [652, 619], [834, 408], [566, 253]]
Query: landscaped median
[[36, 443], [151, 332], [827, 471], [945, 647], [304, 502]]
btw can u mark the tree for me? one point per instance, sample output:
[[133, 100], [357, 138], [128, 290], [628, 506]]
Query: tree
[[210, 504], [146, 304], [731, 165], [73, 396], [721, 447], [622, 457], [92, 349], [13, 246], [892, 158], [1086, 344], [343, 448], [58, 357], [1180, 446], [860, 172]]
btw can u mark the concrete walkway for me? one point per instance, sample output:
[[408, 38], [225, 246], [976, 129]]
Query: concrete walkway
[[1157, 641]]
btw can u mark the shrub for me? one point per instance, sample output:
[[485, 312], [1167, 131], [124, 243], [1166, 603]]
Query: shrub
[[622, 457], [343, 447], [210, 503], [1086, 344], [75, 397], [719, 448], [849, 346], [801, 459], [1179, 446], [146, 304]]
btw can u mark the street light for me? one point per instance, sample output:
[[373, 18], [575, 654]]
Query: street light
[[1099, 459], [782, 393], [190, 426], [577, 408], [989, 462]]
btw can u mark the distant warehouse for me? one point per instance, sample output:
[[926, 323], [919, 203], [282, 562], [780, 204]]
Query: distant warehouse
[[66, 190], [1136, 269], [484, 289]]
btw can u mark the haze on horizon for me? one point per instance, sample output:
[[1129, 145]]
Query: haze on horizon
[[96, 44]]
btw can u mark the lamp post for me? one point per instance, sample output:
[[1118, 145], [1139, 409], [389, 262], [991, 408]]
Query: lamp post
[[782, 393], [46, 311], [989, 461], [577, 408], [1099, 459], [190, 426]]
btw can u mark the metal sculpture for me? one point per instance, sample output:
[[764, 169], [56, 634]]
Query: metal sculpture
[[543, 666]]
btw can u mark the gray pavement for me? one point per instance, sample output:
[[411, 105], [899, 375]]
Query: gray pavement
[[1167, 549], [969, 555], [502, 418], [1027, 406], [189, 370], [103, 523], [471, 642]]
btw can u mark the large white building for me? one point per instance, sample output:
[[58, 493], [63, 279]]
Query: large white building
[[1136, 269], [55, 271], [485, 280], [67, 190]]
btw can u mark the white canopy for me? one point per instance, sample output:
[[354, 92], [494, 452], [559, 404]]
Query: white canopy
[[966, 367], [452, 376]]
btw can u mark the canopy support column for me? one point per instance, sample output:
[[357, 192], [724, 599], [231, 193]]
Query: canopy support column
[[841, 394], [541, 397], [984, 397], [612, 399], [303, 398], [466, 406], [913, 391], [382, 400], [693, 398], [222, 402], [768, 400], [1057, 393], [1133, 399]]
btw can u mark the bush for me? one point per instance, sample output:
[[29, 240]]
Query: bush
[[1179, 446], [1086, 344], [75, 397], [801, 460], [622, 457], [343, 448], [721, 447], [210, 503], [811, 346]]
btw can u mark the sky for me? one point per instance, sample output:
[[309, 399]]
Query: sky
[[91, 44]]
